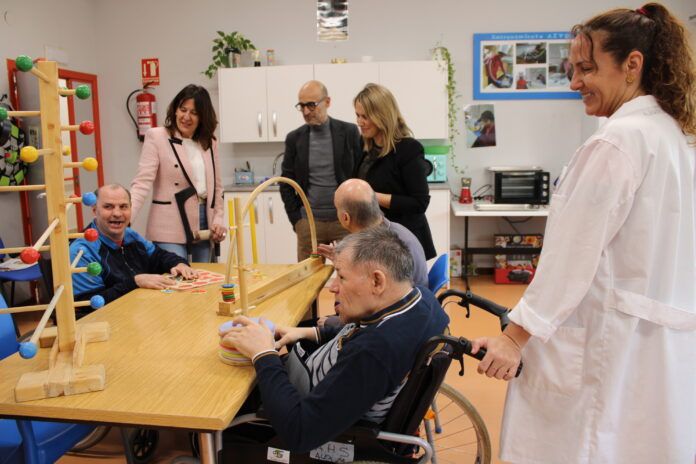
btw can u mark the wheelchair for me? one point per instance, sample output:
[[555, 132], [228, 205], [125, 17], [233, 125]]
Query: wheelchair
[[429, 421]]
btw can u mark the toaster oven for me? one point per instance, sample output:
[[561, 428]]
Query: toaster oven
[[520, 184]]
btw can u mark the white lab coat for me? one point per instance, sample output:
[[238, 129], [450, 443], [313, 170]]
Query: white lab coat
[[610, 372]]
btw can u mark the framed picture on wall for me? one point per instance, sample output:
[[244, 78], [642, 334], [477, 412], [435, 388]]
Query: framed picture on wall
[[522, 66]]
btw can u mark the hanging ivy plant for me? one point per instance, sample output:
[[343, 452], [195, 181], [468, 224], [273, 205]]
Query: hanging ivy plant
[[442, 55]]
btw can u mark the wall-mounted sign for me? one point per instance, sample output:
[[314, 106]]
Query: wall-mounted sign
[[522, 66], [149, 68]]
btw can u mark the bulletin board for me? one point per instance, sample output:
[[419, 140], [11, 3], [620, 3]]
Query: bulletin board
[[522, 66]]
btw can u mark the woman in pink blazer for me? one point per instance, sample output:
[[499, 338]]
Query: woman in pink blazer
[[179, 163]]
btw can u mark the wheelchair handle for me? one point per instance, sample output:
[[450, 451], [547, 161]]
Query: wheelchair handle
[[466, 298]]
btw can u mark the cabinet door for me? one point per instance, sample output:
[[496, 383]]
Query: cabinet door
[[260, 232], [420, 90], [282, 85], [438, 215], [242, 104], [280, 240], [344, 81]]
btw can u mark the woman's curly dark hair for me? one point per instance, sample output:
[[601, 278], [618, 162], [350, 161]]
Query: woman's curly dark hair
[[668, 74]]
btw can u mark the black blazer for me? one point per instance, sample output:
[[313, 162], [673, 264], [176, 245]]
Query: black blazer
[[347, 152], [403, 173]]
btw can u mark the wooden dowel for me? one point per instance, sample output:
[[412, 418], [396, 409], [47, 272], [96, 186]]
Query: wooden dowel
[[77, 258], [70, 128], [39, 74], [203, 235], [22, 188], [78, 270], [73, 235], [79, 304], [241, 273], [232, 233], [46, 315], [66, 92], [45, 235], [73, 200], [73, 164], [24, 114], [21, 249], [23, 309], [252, 233]]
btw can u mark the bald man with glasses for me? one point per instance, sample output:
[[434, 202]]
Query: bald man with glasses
[[319, 156]]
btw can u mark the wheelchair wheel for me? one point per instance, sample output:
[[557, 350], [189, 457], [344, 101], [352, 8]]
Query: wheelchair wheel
[[458, 434], [92, 439], [142, 443]]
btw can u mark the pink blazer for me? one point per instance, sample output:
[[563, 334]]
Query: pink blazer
[[164, 167]]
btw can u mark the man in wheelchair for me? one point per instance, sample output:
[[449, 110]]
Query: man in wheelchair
[[352, 373]]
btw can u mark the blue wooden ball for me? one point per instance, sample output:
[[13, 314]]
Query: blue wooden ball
[[97, 301], [89, 199], [28, 350]]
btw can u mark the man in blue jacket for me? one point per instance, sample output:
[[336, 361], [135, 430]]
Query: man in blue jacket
[[128, 260], [358, 369]]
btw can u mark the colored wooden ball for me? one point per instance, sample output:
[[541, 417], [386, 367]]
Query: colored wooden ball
[[66, 150], [29, 154], [89, 199], [94, 268], [82, 92], [86, 127], [24, 63], [97, 301], [28, 350], [3, 113], [29, 256], [90, 164], [91, 235]]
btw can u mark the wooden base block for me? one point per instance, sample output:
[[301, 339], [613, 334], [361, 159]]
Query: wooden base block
[[66, 375], [228, 309]]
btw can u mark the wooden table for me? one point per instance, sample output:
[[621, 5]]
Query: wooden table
[[162, 366]]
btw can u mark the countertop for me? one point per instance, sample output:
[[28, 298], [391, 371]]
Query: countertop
[[275, 188]]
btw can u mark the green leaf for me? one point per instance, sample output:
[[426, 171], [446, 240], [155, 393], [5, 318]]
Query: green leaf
[[221, 34]]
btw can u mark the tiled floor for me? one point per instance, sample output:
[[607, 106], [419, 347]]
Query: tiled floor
[[487, 395]]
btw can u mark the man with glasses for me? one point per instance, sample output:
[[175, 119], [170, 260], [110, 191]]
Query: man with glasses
[[319, 156]]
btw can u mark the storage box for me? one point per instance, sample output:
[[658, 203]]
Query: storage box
[[455, 258], [243, 177], [516, 268]]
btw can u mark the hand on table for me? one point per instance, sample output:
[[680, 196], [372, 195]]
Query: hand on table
[[248, 337], [185, 271], [153, 281]]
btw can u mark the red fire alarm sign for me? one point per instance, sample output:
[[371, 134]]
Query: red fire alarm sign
[[150, 71]]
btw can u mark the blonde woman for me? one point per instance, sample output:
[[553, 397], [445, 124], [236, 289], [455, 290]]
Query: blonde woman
[[393, 163]]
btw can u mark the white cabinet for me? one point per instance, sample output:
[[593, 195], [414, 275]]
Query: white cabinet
[[276, 241], [257, 104], [344, 81], [420, 90], [438, 214]]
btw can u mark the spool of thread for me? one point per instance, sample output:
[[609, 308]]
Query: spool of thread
[[229, 355]]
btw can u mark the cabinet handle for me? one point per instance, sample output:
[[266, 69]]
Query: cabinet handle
[[275, 124], [270, 210], [259, 123]]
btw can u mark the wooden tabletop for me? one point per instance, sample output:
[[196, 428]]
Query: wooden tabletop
[[162, 366]]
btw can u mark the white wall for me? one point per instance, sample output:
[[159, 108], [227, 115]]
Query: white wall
[[109, 37]]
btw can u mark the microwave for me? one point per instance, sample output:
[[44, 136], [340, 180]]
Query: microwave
[[520, 184]]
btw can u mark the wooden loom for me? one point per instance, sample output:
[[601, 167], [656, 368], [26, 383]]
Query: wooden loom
[[297, 272], [66, 373]]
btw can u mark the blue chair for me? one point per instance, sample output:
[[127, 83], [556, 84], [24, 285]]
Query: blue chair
[[28, 274], [32, 442], [438, 276]]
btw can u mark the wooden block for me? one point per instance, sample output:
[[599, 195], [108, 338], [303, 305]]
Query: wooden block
[[47, 337], [80, 347], [225, 308], [59, 375], [31, 386], [86, 379], [95, 331]]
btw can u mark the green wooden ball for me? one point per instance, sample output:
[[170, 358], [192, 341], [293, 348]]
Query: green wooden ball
[[82, 92], [24, 63], [94, 268]]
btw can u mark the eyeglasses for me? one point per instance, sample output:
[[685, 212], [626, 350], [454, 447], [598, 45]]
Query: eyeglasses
[[311, 106]]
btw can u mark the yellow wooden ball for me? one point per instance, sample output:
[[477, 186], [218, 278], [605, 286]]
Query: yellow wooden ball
[[90, 164], [66, 150], [29, 154]]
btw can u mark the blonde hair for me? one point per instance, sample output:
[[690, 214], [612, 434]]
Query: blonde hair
[[382, 110]]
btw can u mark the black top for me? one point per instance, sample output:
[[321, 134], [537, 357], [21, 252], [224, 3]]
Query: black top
[[347, 151], [372, 361], [403, 173]]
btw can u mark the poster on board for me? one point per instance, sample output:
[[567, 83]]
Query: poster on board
[[522, 66]]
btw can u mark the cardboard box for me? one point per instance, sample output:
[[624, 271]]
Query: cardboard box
[[455, 263], [517, 268]]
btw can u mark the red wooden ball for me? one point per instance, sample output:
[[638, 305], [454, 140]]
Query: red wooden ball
[[29, 256], [86, 127], [91, 235]]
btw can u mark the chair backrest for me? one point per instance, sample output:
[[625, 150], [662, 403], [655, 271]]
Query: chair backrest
[[417, 395], [438, 276], [8, 338]]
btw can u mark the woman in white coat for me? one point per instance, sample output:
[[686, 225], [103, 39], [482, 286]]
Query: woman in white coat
[[607, 329]]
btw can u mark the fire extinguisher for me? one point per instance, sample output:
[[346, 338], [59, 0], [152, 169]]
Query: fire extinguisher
[[146, 110]]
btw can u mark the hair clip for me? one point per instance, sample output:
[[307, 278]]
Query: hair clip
[[642, 11]]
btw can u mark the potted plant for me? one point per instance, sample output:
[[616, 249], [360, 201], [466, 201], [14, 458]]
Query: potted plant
[[441, 54], [225, 47]]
